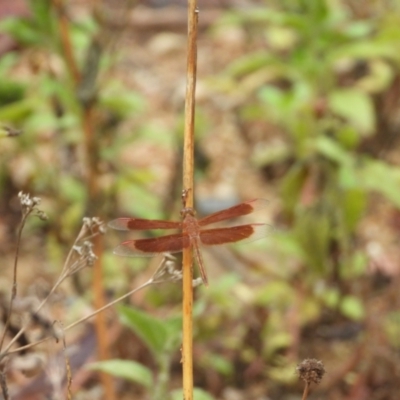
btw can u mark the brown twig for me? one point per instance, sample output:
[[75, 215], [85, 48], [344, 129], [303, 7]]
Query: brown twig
[[14, 282], [69, 268], [188, 173], [66, 45], [91, 157], [165, 272], [29, 205]]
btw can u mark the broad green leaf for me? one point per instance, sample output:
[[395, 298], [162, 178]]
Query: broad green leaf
[[270, 154], [44, 17], [354, 202], [10, 91], [347, 176], [381, 177], [352, 307], [121, 102], [249, 63], [332, 150], [368, 49], [217, 363], [126, 369], [151, 330], [281, 38], [17, 111], [22, 30], [348, 137], [355, 106]]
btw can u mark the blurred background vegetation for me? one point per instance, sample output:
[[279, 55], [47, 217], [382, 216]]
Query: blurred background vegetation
[[298, 103]]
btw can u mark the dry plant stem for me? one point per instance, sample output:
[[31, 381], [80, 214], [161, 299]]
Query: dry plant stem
[[62, 277], [87, 317], [306, 391], [188, 173], [91, 156], [63, 23], [14, 283]]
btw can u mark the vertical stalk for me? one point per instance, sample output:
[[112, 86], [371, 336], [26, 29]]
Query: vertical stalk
[[91, 152], [188, 173]]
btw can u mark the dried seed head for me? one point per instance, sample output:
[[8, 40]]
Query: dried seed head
[[311, 370], [42, 215], [29, 204], [85, 252], [94, 222], [166, 271]]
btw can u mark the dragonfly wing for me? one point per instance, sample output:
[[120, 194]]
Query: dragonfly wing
[[129, 224], [242, 233], [236, 211], [153, 246]]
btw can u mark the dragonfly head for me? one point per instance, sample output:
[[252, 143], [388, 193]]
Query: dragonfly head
[[188, 211]]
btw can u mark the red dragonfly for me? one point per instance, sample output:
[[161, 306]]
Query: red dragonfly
[[192, 232]]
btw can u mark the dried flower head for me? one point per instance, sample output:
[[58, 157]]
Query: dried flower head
[[30, 204], [167, 271], [311, 370], [85, 253]]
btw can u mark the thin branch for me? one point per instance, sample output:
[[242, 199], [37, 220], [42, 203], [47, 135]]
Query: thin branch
[[29, 205], [14, 282], [166, 267]]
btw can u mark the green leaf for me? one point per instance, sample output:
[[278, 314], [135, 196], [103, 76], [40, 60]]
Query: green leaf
[[367, 49], [332, 150], [121, 102], [17, 111], [277, 294], [355, 266], [331, 297], [348, 137], [352, 307], [125, 369], [21, 30], [354, 202], [379, 176], [355, 106], [313, 231], [271, 154], [152, 331], [391, 327], [249, 63], [276, 342], [217, 363], [291, 186]]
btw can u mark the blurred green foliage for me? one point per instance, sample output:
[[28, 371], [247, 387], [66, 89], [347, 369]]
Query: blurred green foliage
[[39, 96], [314, 74]]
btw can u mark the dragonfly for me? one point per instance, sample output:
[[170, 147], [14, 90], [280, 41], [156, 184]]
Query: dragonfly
[[194, 233]]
